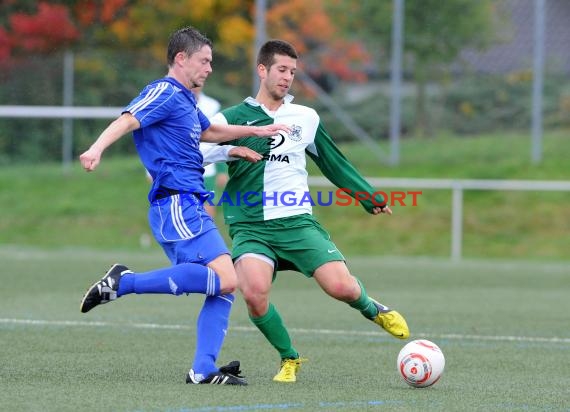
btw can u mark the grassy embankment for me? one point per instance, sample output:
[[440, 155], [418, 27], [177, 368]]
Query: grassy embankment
[[44, 207]]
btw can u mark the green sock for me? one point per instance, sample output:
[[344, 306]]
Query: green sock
[[364, 304], [274, 330]]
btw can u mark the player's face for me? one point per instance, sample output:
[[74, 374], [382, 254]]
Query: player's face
[[279, 78], [197, 67]]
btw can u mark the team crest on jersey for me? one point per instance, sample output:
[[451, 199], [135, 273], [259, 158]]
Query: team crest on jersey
[[296, 133]]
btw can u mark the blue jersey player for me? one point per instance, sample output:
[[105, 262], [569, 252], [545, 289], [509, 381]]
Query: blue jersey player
[[167, 128]]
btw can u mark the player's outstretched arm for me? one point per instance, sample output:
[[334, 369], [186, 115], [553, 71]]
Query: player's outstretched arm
[[338, 169], [218, 133], [122, 125]]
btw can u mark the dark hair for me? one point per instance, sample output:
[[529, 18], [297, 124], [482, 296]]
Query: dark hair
[[188, 40], [267, 52]]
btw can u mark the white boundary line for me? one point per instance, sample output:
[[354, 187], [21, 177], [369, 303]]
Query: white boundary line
[[451, 336]]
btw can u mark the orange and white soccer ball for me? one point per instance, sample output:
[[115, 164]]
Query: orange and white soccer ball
[[421, 363]]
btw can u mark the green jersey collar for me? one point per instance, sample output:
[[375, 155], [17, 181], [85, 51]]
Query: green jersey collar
[[251, 101]]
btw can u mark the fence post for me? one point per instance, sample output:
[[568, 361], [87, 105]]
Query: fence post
[[67, 138], [396, 81], [537, 82], [456, 220]]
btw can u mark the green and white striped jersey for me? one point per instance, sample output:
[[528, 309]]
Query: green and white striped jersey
[[276, 186]]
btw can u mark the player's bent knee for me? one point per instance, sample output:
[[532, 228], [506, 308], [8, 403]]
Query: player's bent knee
[[257, 301], [228, 284], [224, 268], [341, 291], [228, 280]]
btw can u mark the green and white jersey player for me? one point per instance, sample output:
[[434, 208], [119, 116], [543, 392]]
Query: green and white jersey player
[[271, 228]]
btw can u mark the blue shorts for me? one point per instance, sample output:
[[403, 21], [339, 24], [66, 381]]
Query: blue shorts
[[186, 232]]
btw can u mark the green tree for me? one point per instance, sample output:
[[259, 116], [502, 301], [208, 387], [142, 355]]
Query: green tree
[[435, 32]]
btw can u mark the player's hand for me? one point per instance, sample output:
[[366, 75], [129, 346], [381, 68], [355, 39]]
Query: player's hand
[[270, 130], [380, 210], [90, 159], [245, 153]]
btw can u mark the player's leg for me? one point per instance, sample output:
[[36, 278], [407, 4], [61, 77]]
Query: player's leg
[[208, 250], [190, 239], [213, 322], [174, 280], [335, 279], [213, 319], [255, 274], [312, 252], [184, 276]]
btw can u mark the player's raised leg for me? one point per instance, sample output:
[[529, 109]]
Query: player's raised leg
[[174, 280], [335, 279], [104, 290]]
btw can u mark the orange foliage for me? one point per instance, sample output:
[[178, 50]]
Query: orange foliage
[[86, 12], [148, 23], [234, 33], [109, 9], [312, 31]]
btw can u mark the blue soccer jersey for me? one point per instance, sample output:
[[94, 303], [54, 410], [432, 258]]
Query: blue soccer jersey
[[169, 136]]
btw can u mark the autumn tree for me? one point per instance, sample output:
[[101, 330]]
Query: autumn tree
[[120, 44], [49, 27], [145, 25], [46, 26], [33, 38], [326, 52], [230, 24]]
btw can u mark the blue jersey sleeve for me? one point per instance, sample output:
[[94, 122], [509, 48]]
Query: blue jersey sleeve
[[204, 122], [153, 104]]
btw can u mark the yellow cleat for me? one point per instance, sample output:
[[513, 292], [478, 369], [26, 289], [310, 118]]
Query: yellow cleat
[[289, 369], [392, 322]]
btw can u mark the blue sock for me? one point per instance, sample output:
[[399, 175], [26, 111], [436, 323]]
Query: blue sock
[[211, 331], [175, 280]]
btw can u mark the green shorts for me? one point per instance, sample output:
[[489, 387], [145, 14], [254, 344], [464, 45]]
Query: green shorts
[[293, 243]]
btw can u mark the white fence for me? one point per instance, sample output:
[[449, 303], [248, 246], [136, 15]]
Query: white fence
[[457, 186], [67, 113], [61, 112]]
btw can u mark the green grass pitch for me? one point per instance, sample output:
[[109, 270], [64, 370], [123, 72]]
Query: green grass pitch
[[503, 326]]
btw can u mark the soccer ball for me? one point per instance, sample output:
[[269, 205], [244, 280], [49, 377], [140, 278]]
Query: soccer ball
[[421, 363]]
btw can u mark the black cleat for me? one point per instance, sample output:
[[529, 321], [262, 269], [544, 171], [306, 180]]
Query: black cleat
[[227, 375], [232, 368], [104, 290]]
